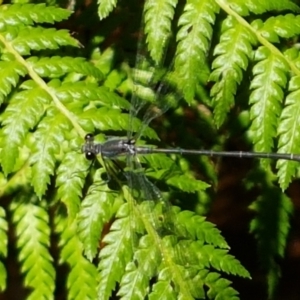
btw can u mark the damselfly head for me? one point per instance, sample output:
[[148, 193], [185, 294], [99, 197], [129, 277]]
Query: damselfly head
[[89, 148]]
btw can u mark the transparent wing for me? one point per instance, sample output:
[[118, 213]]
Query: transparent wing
[[166, 96], [154, 86], [140, 186], [143, 190], [141, 76]]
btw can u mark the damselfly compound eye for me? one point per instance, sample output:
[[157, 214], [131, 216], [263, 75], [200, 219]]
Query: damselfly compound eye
[[89, 137], [89, 155]]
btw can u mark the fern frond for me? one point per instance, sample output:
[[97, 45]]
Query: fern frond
[[245, 7], [158, 161], [157, 254], [270, 78], [199, 229], [116, 254], [165, 169], [271, 227], [278, 27], [162, 289], [29, 106], [70, 180], [37, 38], [105, 119], [219, 288], [135, 283], [288, 136], [158, 15], [219, 259], [28, 13], [95, 211], [157, 251], [84, 93], [33, 241], [3, 247], [105, 7], [232, 57], [186, 183], [57, 66], [48, 138], [11, 71], [82, 279], [193, 40]]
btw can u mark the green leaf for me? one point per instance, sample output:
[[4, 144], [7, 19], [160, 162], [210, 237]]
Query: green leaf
[[193, 43], [112, 119], [158, 16], [186, 183], [28, 13], [29, 106], [95, 212], [288, 136], [232, 55], [158, 161], [270, 78], [3, 277], [220, 260], [199, 229], [219, 287], [271, 227], [135, 281], [11, 72], [3, 247], [33, 241], [37, 38], [57, 66], [105, 7], [82, 279], [48, 139], [85, 93], [280, 27], [116, 254], [164, 290], [243, 7], [70, 181], [3, 233]]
